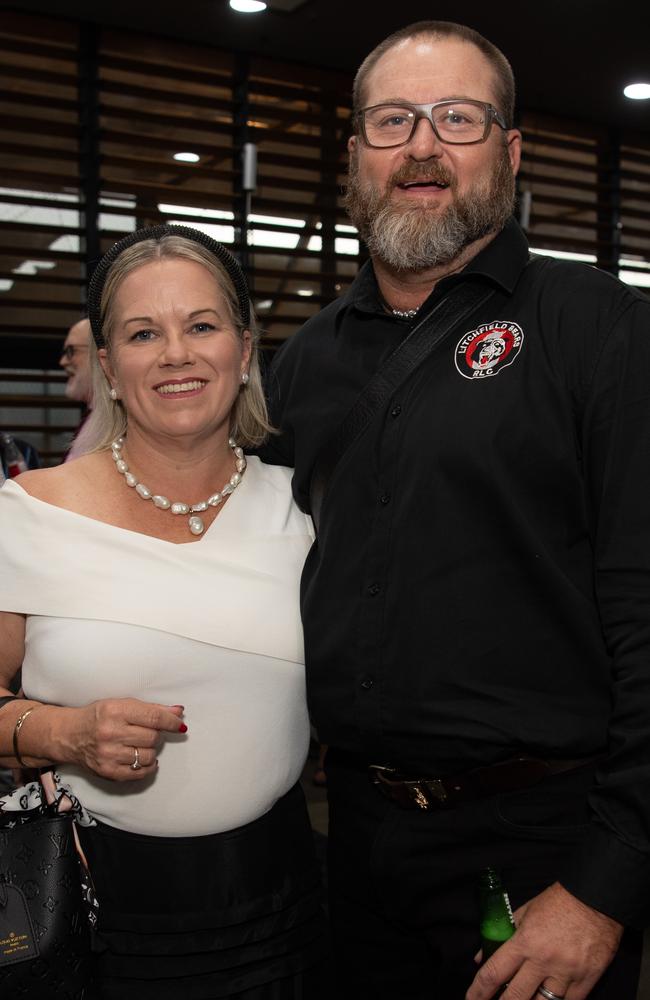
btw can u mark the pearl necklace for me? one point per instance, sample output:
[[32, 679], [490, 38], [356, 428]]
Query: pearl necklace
[[404, 313], [194, 523]]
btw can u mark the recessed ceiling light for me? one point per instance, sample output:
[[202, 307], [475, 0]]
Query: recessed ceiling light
[[187, 157], [305, 292], [248, 6], [638, 91]]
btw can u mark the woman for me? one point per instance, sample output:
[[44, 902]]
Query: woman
[[158, 630]]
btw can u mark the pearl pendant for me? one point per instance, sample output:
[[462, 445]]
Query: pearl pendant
[[195, 523]]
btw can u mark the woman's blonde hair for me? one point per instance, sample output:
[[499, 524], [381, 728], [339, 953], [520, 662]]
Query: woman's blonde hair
[[108, 419]]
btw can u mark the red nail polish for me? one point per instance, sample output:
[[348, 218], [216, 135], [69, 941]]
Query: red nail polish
[[182, 728]]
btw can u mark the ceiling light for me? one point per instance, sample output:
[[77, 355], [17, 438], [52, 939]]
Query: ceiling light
[[638, 91], [305, 292], [247, 6], [187, 157]]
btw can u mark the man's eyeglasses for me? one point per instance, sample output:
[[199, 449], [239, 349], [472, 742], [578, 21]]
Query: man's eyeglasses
[[70, 350], [454, 122]]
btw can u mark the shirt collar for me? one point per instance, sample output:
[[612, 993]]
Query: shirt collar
[[363, 293], [503, 259]]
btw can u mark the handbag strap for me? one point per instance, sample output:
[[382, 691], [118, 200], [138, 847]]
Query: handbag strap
[[422, 340]]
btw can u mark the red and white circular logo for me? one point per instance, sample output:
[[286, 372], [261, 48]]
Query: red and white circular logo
[[488, 349]]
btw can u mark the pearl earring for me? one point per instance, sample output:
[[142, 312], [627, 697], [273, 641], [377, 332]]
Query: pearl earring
[[113, 395], [245, 377]]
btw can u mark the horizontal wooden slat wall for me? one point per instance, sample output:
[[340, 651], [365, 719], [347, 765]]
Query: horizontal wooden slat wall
[[42, 270], [91, 119], [634, 205], [586, 191], [40, 206], [559, 175]]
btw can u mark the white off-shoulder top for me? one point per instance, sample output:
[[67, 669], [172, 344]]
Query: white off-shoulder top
[[213, 625]]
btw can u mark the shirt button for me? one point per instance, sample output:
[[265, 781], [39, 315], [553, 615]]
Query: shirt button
[[374, 589], [367, 683], [384, 498], [395, 412]]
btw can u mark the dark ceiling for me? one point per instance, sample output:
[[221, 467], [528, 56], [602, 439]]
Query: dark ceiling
[[570, 57]]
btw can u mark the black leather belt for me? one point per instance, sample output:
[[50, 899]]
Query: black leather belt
[[435, 793]]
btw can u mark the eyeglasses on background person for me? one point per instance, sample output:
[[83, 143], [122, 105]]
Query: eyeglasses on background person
[[70, 350], [454, 122]]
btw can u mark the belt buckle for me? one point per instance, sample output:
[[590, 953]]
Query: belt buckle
[[423, 793], [435, 788]]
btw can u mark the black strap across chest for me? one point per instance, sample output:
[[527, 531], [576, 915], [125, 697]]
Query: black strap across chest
[[447, 314]]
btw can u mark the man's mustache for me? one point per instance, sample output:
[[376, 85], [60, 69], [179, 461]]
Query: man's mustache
[[421, 172]]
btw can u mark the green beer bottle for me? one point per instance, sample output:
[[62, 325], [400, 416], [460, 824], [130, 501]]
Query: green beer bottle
[[497, 924]]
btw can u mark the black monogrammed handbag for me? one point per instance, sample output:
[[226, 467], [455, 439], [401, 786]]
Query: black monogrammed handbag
[[47, 906]]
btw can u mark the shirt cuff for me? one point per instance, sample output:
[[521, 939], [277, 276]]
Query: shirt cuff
[[610, 876]]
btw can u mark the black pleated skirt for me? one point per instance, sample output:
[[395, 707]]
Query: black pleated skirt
[[236, 914]]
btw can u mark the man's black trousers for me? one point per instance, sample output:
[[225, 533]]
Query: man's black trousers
[[402, 883]]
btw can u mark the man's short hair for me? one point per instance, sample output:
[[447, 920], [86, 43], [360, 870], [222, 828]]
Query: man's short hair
[[504, 78]]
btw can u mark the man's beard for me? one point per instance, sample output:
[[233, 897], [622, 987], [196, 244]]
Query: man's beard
[[415, 237]]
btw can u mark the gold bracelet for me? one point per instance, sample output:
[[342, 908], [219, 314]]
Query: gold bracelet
[[17, 728]]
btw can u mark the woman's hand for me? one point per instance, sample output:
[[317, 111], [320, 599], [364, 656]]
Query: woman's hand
[[104, 736]]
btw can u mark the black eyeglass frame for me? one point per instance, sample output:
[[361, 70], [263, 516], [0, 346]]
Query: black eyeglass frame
[[426, 111]]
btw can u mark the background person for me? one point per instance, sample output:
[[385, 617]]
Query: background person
[[480, 589], [163, 675], [75, 361]]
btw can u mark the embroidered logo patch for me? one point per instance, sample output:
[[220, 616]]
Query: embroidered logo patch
[[488, 349]]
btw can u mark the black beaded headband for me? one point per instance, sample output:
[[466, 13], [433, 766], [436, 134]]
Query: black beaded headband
[[224, 257]]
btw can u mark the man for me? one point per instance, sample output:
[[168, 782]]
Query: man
[[477, 606], [75, 361]]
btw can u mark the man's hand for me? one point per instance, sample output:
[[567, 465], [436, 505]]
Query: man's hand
[[559, 942]]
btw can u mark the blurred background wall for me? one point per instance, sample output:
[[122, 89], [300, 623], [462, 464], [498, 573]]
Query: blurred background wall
[[111, 126]]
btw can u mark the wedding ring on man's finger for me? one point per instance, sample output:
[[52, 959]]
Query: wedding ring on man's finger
[[136, 765], [549, 994]]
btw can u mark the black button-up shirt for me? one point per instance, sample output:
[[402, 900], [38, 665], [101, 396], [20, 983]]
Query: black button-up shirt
[[480, 586]]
